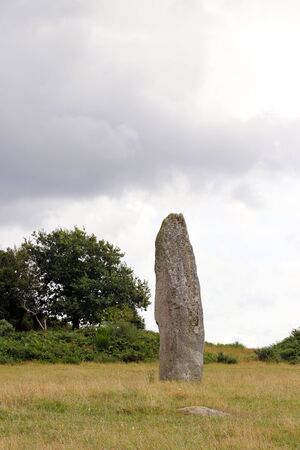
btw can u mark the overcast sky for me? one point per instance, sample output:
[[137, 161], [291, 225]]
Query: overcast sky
[[115, 113]]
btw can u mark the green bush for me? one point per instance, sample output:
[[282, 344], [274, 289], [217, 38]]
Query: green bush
[[102, 338], [267, 354], [115, 342], [6, 328], [226, 359], [123, 341], [210, 357], [287, 350], [132, 356]]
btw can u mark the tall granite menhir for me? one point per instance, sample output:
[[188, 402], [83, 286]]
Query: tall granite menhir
[[178, 309]]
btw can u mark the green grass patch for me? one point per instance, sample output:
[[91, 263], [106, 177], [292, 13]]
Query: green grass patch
[[52, 406]]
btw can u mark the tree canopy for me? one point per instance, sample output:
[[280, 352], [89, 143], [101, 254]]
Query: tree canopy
[[10, 302], [68, 276]]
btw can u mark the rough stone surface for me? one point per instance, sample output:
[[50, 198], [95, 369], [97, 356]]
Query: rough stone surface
[[178, 309], [202, 411]]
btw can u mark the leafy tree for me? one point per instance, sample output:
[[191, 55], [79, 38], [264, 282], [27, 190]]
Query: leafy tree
[[117, 314], [22, 291], [10, 308], [78, 277]]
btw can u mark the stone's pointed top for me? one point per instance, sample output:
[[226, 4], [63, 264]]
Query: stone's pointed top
[[173, 225], [174, 218]]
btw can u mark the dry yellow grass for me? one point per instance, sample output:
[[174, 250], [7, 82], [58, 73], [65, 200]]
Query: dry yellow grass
[[119, 406]]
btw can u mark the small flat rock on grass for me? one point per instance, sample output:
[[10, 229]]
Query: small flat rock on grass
[[202, 411]]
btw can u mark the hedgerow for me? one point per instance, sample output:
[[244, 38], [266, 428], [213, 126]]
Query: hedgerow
[[124, 343], [120, 341]]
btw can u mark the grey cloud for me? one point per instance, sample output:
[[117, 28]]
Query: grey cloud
[[79, 115], [27, 213]]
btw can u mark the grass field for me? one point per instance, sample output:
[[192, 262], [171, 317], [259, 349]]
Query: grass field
[[124, 406]]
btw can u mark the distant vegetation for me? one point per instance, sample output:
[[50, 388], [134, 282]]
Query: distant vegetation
[[68, 277], [287, 350], [114, 341], [123, 341]]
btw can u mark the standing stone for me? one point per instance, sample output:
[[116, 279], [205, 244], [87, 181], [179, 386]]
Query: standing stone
[[178, 309]]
